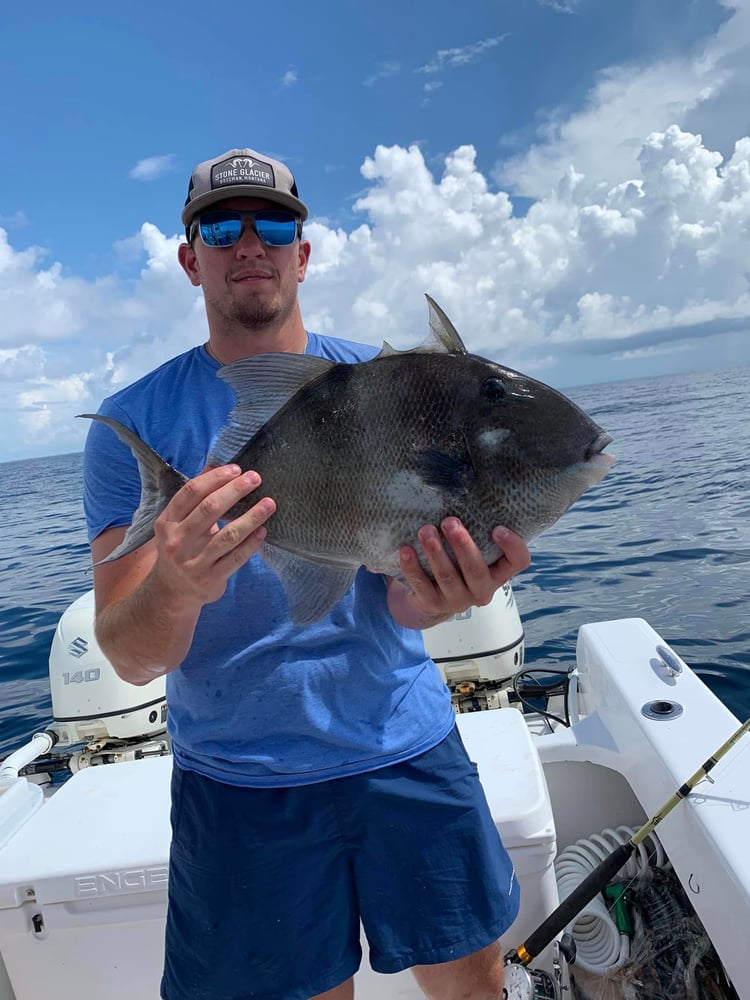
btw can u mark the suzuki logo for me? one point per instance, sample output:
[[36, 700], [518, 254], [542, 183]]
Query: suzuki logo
[[78, 647]]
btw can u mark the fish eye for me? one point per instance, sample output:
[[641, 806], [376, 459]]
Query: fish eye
[[493, 389]]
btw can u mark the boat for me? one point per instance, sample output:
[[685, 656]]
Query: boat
[[574, 763]]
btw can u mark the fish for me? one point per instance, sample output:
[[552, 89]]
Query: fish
[[359, 456]]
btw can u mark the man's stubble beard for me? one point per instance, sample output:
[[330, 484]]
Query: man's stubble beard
[[257, 313]]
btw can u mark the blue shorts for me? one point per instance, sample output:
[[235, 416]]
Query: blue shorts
[[267, 886]]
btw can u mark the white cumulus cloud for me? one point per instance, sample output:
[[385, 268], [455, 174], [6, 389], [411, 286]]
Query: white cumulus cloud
[[592, 279], [703, 91], [644, 263]]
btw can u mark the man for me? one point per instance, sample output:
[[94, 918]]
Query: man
[[319, 778]]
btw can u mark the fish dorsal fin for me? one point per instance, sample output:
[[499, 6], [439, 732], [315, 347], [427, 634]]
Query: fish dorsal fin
[[443, 337], [443, 331], [261, 385], [386, 350], [312, 588]]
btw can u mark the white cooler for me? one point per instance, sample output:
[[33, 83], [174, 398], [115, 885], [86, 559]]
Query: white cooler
[[83, 887], [83, 883], [514, 783]]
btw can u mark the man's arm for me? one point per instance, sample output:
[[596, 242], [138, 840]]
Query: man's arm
[[148, 602], [425, 602]]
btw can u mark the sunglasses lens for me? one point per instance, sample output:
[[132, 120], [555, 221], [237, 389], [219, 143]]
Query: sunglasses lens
[[223, 229], [276, 229], [220, 229]]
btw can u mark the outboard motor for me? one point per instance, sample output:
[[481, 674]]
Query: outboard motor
[[97, 717], [89, 701], [479, 652]]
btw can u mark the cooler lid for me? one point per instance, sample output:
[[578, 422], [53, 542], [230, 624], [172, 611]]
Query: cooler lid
[[106, 831], [499, 742]]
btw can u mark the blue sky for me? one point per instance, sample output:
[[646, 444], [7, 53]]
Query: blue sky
[[567, 178]]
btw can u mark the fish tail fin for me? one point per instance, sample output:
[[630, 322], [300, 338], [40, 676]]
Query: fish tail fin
[[159, 483]]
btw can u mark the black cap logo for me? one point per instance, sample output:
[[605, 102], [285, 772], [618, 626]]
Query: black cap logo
[[242, 170]]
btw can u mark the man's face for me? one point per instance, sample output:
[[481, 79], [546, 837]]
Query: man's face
[[249, 284]]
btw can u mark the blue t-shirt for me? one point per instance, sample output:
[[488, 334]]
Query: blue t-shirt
[[259, 701]]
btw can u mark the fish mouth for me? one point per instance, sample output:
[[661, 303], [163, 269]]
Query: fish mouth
[[595, 451]]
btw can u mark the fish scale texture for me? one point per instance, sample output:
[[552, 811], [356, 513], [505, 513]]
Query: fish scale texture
[[368, 453]]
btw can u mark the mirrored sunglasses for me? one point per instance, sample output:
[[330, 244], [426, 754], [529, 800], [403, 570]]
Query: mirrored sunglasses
[[222, 228]]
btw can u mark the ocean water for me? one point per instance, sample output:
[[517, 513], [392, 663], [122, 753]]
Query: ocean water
[[665, 536]]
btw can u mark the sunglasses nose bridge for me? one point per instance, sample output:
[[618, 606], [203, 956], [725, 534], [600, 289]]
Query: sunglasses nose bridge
[[247, 225]]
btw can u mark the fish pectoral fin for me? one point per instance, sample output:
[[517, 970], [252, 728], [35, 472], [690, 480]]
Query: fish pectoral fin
[[312, 589], [451, 473], [261, 385]]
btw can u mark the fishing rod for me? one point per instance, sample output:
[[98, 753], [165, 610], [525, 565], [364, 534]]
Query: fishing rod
[[597, 880]]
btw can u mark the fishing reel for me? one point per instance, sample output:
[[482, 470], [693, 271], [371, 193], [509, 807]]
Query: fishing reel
[[523, 983], [529, 984]]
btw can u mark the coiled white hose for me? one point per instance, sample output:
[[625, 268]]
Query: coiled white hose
[[600, 947]]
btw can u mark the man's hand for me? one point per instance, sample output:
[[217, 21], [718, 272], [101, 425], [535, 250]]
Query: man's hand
[[148, 602], [469, 582], [195, 557]]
